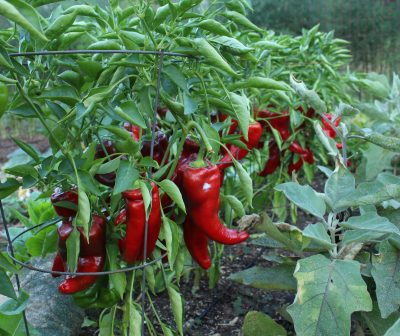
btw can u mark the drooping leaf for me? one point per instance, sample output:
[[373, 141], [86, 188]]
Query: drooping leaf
[[328, 292]]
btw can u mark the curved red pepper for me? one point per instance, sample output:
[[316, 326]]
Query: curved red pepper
[[308, 156], [133, 243], [70, 196], [197, 244], [160, 147], [201, 187], [91, 255], [274, 159], [254, 135], [295, 147]]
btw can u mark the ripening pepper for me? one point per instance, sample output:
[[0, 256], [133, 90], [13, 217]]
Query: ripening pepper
[[327, 128], [64, 202], [134, 130], [254, 135], [103, 150], [134, 216], [92, 255], [201, 188], [274, 159]]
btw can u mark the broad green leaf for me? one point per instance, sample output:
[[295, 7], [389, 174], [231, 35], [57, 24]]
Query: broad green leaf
[[6, 264], [106, 325], [368, 226], [8, 187], [304, 197], [258, 323], [43, 242], [176, 75], [135, 117], [385, 271], [340, 184], [377, 160], [277, 278], [318, 234], [394, 329], [241, 112], [328, 292], [376, 324], [171, 189]]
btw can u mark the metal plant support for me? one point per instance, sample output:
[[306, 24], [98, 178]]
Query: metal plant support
[[10, 249]]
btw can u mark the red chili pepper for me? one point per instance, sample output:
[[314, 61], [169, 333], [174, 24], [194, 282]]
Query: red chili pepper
[[133, 243], [295, 147], [58, 265], [339, 145], [91, 256], [327, 128], [274, 159], [69, 198], [201, 188], [308, 156], [134, 130], [254, 135], [162, 111], [197, 244], [295, 166], [280, 122], [190, 147]]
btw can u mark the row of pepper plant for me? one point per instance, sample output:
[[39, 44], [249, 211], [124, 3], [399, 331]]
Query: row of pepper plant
[[234, 120]]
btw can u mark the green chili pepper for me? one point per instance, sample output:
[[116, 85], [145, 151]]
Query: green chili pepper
[[215, 27], [212, 56], [389, 143], [60, 25], [241, 20]]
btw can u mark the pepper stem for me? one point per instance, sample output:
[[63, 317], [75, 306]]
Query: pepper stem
[[192, 124], [199, 163]]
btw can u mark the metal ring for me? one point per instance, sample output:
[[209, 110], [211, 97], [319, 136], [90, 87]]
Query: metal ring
[[73, 52], [54, 221]]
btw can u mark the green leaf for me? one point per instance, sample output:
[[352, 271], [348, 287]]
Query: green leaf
[[245, 181], [309, 96], [170, 231], [177, 306], [376, 324], [11, 13], [328, 143], [43, 242], [340, 184], [14, 307], [318, 234], [6, 264], [368, 226], [377, 159], [8, 187], [28, 149], [130, 109], [241, 109], [118, 280], [214, 27], [82, 218], [385, 271], [171, 189], [304, 197], [235, 204], [328, 292], [7, 288], [278, 278], [394, 329], [233, 45], [257, 323], [176, 76], [73, 248], [127, 175]]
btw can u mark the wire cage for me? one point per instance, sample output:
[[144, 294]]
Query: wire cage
[[10, 241]]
